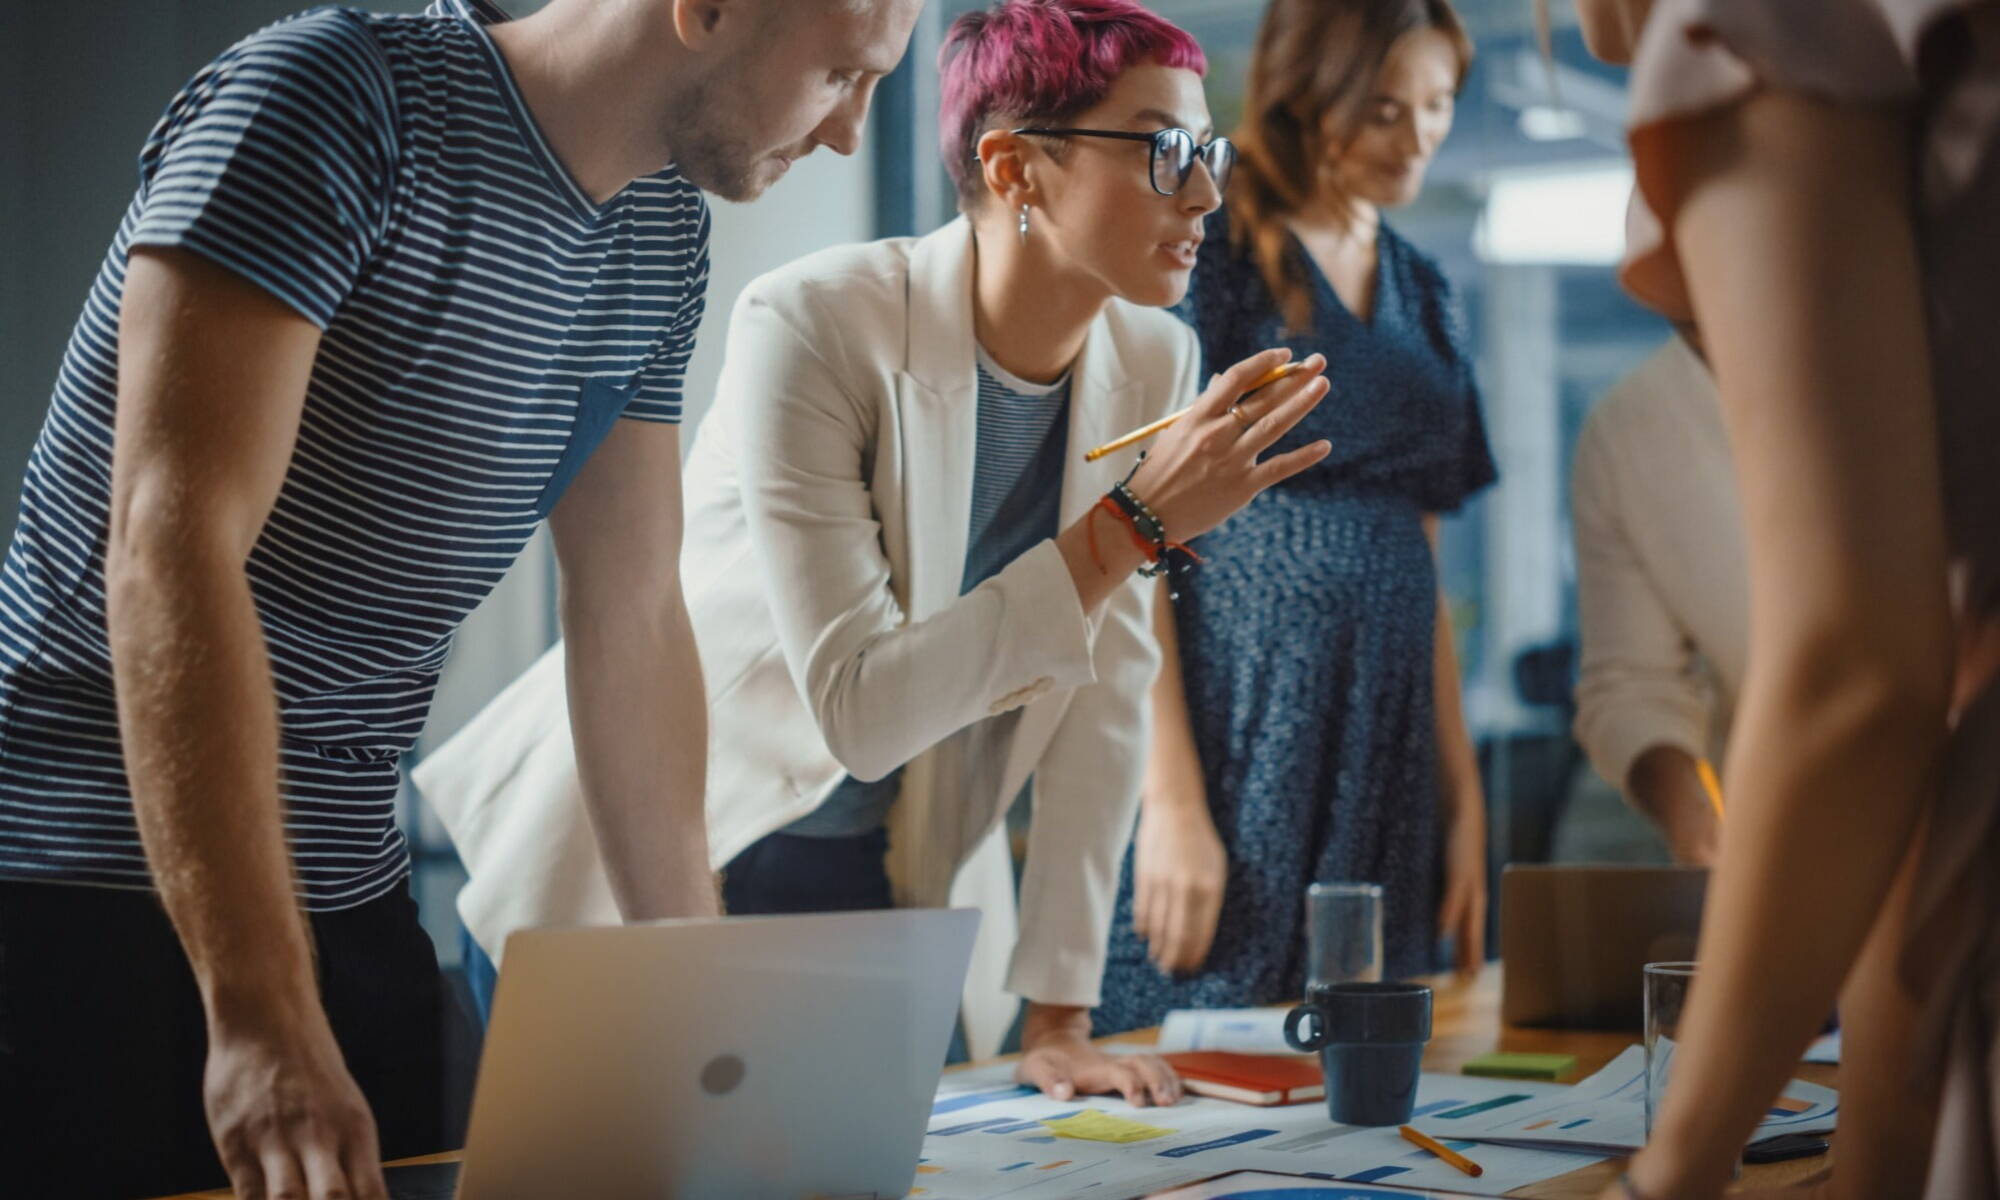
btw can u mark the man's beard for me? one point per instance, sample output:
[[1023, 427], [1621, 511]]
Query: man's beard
[[710, 154]]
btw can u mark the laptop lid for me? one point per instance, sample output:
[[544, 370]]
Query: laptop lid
[[1574, 937], [732, 1057]]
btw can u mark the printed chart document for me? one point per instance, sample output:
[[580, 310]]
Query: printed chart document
[[1825, 1049], [1258, 1185], [989, 1138], [1606, 1113]]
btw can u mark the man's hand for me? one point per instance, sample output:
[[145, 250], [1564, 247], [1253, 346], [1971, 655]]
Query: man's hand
[[1179, 871], [1059, 1058], [286, 1116], [1462, 915], [1665, 785]]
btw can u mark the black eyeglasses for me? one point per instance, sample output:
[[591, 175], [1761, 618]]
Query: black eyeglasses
[[1174, 154]]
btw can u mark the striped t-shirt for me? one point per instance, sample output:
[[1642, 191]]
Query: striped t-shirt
[[484, 324], [1017, 476]]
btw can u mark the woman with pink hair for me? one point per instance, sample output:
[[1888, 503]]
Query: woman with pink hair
[[913, 596]]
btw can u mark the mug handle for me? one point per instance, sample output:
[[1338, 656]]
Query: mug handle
[[1313, 1041]]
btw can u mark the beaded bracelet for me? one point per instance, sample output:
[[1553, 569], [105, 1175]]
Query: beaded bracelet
[[1143, 519], [1107, 504], [1155, 552], [1146, 524]]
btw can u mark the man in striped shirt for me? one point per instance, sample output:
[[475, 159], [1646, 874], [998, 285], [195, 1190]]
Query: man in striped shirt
[[392, 291]]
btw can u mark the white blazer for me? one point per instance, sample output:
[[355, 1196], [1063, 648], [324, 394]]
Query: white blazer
[[828, 495]]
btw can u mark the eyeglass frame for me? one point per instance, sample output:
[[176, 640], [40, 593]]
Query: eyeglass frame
[[1201, 150]]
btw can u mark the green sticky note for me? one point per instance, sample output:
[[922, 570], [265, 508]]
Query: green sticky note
[[1090, 1125], [1522, 1066]]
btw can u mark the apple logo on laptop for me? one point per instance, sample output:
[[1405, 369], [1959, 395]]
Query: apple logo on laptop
[[722, 1074]]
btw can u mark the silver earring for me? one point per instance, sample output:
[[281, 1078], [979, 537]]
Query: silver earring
[[1024, 224]]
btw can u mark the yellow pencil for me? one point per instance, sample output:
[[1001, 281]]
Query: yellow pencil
[[1415, 1138], [1710, 784], [1145, 431]]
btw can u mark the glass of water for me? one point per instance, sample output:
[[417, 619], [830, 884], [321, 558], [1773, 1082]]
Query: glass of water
[[1667, 988], [1343, 933]]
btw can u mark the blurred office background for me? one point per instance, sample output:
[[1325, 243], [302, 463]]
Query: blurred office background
[[1524, 209]]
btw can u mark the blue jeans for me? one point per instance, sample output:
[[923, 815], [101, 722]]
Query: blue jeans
[[480, 974], [783, 873]]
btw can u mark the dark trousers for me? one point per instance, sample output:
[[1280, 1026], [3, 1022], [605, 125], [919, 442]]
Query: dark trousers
[[782, 873], [786, 873], [102, 1039]]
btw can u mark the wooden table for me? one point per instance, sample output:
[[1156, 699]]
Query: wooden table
[[1465, 1024]]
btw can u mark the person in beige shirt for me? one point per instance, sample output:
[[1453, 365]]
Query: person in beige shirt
[[1663, 592]]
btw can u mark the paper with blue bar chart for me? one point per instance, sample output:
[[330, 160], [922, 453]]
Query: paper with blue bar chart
[[988, 1139], [1257, 1185], [1607, 1113]]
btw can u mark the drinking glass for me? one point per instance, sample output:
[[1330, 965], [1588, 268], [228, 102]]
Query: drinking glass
[[1667, 987], [1343, 933]]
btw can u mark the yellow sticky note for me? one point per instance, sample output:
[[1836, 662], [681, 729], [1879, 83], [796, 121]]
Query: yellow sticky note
[[1091, 1125]]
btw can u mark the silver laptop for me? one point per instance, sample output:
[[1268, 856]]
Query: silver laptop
[[1573, 939], [741, 1057]]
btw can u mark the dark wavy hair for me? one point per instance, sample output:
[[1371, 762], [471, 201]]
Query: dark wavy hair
[[1313, 58]]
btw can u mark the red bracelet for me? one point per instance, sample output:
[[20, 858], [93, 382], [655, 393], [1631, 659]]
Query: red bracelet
[[1124, 518]]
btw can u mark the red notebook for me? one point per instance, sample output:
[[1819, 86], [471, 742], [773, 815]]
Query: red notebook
[[1263, 1079]]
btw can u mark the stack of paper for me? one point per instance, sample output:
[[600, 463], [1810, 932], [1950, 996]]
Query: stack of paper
[[1260, 1185], [1606, 1114], [1238, 1030], [1825, 1049]]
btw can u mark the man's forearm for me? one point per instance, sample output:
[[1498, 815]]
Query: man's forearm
[[1664, 785], [639, 714], [199, 723]]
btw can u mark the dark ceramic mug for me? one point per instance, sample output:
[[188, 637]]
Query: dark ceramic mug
[[1370, 1038]]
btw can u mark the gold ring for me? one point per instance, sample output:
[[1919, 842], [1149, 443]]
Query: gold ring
[[1236, 410]]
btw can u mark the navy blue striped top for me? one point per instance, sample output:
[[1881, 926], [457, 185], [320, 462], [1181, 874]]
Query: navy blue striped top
[[484, 325]]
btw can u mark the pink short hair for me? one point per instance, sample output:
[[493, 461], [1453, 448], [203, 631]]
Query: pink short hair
[[1042, 60]]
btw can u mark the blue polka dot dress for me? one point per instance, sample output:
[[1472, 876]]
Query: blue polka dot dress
[[1307, 636]]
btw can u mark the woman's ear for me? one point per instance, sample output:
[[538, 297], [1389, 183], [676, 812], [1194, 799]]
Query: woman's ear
[[1004, 163]]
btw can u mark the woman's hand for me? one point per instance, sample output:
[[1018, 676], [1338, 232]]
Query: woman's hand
[[1059, 1058], [1179, 869], [1205, 467], [1462, 914]]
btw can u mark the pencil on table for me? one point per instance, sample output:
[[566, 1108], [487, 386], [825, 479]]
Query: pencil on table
[[1710, 784], [1416, 1138], [1145, 431]]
